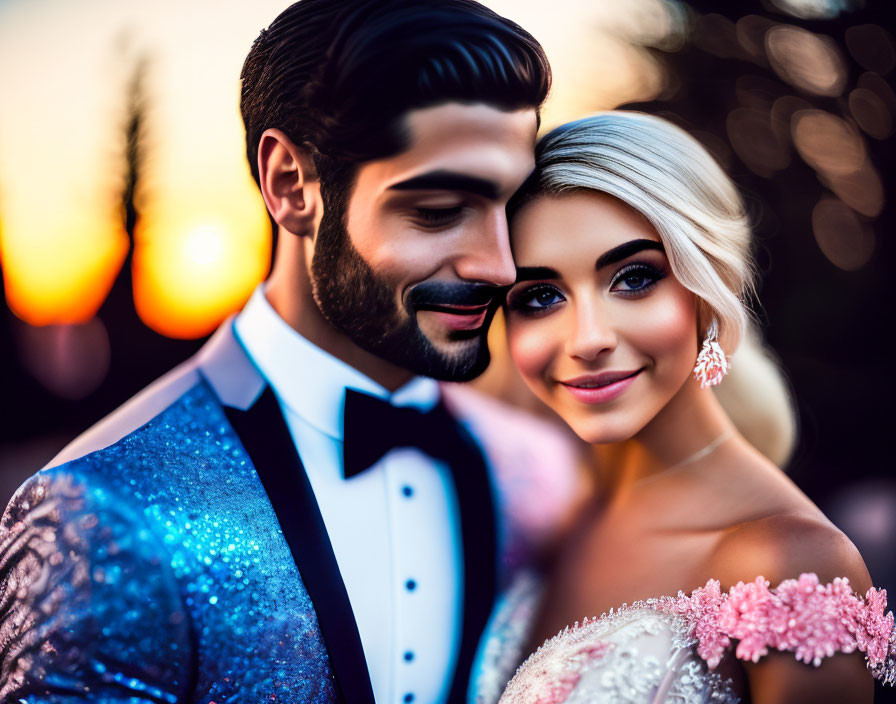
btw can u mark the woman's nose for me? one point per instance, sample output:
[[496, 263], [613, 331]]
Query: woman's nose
[[591, 334]]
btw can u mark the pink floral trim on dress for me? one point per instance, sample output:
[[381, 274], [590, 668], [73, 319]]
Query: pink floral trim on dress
[[801, 616], [609, 659]]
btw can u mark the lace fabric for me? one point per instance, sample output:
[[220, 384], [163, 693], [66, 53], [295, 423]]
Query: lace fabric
[[668, 649], [634, 655]]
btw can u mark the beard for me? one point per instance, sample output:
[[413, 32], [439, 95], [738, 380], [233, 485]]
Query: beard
[[362, 304]]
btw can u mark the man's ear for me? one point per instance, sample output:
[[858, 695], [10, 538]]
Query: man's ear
[[288, 182]]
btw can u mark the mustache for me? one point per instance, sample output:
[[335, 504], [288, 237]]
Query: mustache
[[437, 294]]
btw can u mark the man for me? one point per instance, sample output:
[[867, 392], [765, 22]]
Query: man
[[295, 514]]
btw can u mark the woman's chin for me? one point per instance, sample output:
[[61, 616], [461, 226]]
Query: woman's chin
[[600, 432]]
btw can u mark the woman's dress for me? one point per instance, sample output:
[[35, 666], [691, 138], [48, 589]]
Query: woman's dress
[[670, 649]]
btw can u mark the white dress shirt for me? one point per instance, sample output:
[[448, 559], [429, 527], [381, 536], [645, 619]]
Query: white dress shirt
[[395, 528]]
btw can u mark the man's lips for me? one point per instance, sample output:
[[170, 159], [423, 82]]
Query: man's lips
[[600, 388], [458, 317], [455, 308]]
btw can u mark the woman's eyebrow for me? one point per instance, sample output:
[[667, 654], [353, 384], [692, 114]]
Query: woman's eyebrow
[[535, 273], [624, 251]]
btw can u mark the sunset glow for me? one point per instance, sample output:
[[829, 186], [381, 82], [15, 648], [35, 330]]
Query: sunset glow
[[61, 272], [191, 274]]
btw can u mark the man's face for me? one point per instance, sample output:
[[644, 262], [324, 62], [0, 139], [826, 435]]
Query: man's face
[[414, 267]]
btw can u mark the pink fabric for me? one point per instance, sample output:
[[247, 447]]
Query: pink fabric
[[802, 616]]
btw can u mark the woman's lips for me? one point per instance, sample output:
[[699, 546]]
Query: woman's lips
[[600, 388]]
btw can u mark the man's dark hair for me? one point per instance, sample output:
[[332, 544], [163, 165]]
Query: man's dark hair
[[337, 76]]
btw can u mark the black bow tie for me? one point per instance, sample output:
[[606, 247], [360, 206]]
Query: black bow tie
[[373, 426]]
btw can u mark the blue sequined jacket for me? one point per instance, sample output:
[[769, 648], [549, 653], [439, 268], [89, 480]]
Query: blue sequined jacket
[[157, 568]]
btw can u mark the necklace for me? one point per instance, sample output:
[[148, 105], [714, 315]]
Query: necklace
[[704, 451]]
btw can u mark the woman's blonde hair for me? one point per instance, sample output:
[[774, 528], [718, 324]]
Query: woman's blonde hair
[[666, 175]]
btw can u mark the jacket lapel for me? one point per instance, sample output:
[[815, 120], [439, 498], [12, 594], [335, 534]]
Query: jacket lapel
[[479, 534], [263, 432]]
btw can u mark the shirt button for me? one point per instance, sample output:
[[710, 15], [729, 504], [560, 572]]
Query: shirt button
[[409, 697], [407, 490], [410, 585], [408, 655]]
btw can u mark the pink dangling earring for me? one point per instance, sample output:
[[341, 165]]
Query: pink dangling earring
[[712, 365]]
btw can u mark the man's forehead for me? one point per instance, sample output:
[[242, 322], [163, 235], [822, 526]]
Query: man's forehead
[[482, 119], [457, 143]]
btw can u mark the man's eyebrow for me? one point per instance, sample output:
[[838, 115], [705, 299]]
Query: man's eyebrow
[[624, 251], [448, 181], [535, 273]]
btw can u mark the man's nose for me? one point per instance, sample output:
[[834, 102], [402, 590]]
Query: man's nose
[[486, 255], [591, 333]]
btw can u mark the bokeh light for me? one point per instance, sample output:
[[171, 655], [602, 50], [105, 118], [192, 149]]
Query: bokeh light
[[872, 47], [828, 143], [717, 35], [70, 360], [756, 142], [806, 60], [861, 190], [871, 113], [843, 238], [879, 86], [750, 32], [816, 9], [866, 511], [782, 112]]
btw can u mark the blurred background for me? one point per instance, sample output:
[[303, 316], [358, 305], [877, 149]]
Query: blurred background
[[130, 227]]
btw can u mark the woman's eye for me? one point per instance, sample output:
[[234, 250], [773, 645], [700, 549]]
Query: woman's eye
[[636, 278], [434, 217], [536, 299], [635, 281]]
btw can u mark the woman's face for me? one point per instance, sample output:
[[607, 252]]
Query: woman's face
[[598, 326]]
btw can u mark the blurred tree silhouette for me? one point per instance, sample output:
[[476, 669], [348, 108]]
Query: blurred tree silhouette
[[135, 148]]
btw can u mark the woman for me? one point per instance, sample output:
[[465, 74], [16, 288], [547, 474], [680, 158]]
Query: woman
[[633, 259]]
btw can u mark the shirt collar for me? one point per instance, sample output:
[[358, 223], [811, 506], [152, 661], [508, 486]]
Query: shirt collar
[[310, 381]]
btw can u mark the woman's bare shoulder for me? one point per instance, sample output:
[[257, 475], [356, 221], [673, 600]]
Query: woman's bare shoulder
[[784, 546]]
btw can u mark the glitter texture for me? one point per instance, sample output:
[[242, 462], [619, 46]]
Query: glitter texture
[[155, 571]]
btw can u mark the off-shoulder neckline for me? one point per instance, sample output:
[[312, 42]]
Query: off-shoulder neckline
[[802, 615]]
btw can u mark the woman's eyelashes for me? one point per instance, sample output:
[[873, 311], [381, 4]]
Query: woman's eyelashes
[[636, 279], [631, 281], [535, 299]]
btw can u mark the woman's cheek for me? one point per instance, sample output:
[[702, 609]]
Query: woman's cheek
[[668, 333], [532, 351]]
